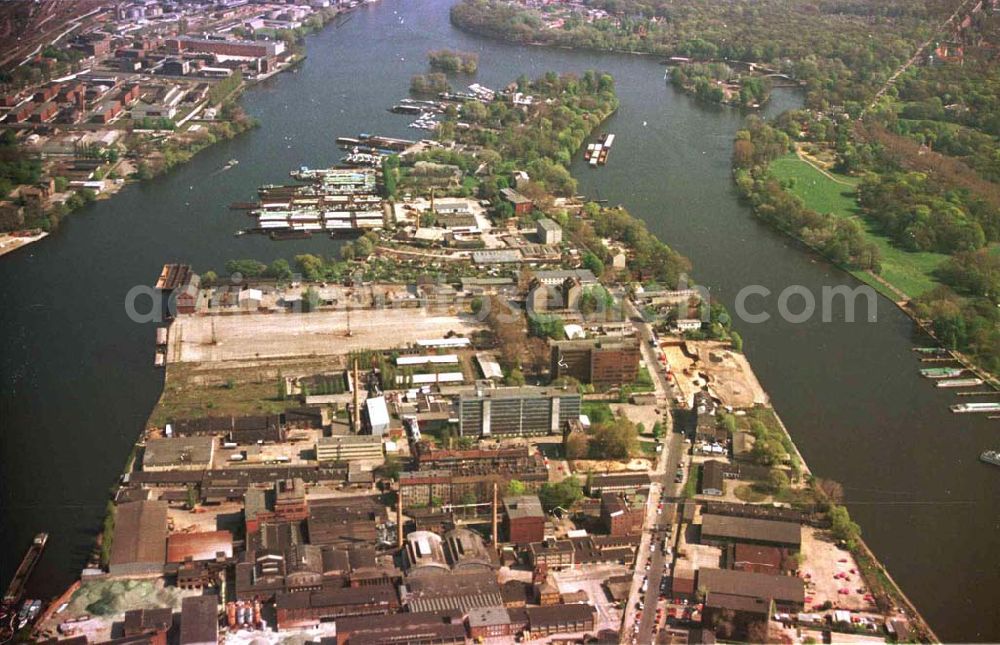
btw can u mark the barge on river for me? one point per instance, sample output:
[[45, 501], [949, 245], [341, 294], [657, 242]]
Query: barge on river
[[976, 406], [20, 580], [960, 382]]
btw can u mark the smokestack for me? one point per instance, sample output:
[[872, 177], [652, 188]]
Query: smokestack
[[357, 399], [496, 534], [399, 519]]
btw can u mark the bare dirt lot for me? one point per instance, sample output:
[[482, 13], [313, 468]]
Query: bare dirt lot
[[321, 333], [727, 373]]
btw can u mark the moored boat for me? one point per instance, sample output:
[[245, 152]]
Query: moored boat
[[976, 406], [990, 457], [960, 382], [941, 372]]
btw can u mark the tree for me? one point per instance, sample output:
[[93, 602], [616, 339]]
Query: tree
[[191, 499], [832, 490], [617, 439], [515, 377], [246, 268], [577, 446], [391, 468], [842, 527], [594, 263], [777, 480], [516, 487], [736, 340], [310, 300], [561, 495], [279, 270], [310, 266]]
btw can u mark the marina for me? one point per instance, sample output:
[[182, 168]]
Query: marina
[[335, 201]]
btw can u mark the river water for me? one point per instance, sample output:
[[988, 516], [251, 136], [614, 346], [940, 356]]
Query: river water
[[78, 381]]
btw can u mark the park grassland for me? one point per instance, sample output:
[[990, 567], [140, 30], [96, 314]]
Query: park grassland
[[909, 272]]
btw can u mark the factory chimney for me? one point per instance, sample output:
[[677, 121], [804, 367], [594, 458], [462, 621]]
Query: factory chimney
[[357, 399], [399, 519], [496, 533]]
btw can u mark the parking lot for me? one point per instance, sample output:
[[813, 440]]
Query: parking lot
[[831, 572]]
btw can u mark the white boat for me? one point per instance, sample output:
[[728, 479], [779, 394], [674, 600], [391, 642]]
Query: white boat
[[966, 408]]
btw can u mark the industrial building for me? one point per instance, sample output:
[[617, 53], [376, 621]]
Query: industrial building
[[516, 411], [524, 519], [139, 543], [723, 529], [180, 453], [349, 447]]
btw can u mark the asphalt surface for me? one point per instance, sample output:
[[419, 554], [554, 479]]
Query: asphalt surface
[[664, 487], [658, 560]]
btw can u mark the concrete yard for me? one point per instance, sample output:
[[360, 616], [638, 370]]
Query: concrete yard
[[254, 336], [590, 579]]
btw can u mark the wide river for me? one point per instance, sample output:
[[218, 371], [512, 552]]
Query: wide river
[[78, 381]]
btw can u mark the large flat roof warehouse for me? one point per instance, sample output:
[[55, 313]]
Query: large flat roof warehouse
[[140, 538], [254, 336]]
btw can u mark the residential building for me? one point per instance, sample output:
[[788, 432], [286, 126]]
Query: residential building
[[548, 231], [522, 205], [604, 362], [619, 516], [562, 297]]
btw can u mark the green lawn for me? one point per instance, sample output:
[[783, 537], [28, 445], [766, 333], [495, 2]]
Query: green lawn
[[910, 272]]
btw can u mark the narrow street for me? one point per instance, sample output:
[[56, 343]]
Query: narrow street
[[637, 625]]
